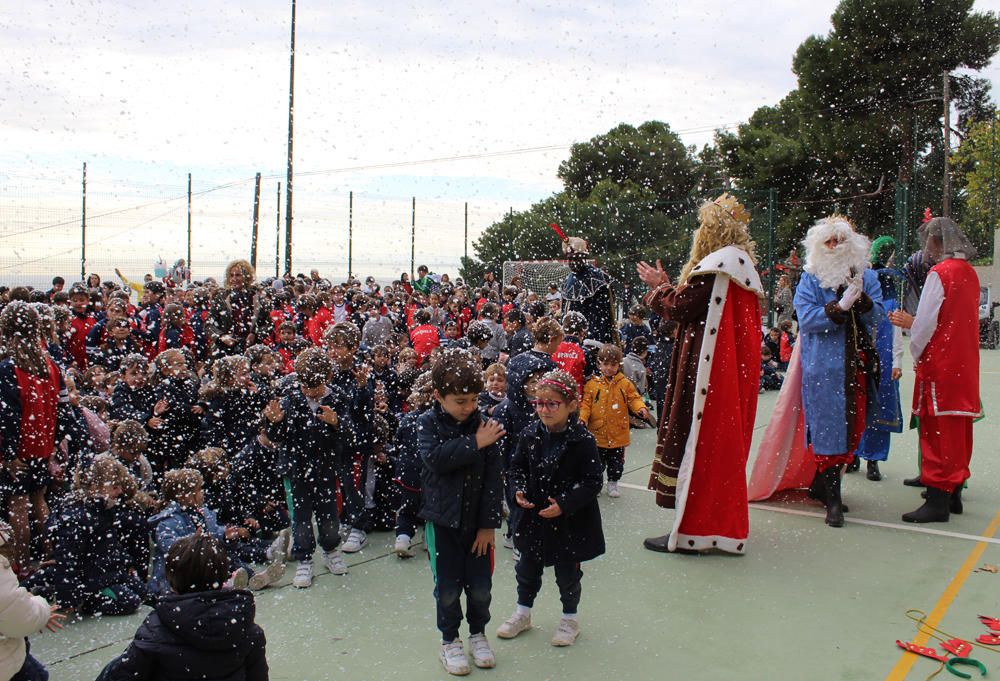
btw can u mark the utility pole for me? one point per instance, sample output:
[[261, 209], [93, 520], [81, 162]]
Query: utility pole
[[350, 234], [288, 179], [256, 223], [946, 184], [277, 237], [413, 238]]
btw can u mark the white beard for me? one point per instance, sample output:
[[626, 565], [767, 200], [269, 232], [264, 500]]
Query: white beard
[[833, 267]]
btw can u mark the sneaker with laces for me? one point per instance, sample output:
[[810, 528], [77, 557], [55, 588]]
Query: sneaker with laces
[[334, 562], [402, 547], [269, 575], [303, 578], [356, 541], [566, 633], [281, 546], [239, 579], [613, 489], [482, 654], [514, 625], [453, 658]]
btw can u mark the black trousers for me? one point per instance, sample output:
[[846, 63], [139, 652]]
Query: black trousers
[[529, 582], [456, 569], [613, 461], [314, 493]]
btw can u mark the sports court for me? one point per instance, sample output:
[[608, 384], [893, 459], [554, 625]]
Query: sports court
[[806, 601]]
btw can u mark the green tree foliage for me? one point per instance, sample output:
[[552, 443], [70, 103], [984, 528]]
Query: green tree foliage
[[977, 162], [628, 192]]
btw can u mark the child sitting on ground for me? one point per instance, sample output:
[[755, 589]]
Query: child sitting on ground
[[197, 629], [556, 475], [608, 399], [460, 461]]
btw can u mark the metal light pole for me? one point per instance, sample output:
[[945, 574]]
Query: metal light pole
[[277, 237], [288, 178], [189, 230], [83, 229]]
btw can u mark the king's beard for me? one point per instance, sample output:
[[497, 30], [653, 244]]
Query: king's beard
[[833, 267]]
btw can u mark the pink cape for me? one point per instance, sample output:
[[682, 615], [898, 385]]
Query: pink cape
[[782, 460]]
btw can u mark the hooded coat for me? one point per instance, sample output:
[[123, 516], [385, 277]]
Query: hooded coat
[[200, 635]]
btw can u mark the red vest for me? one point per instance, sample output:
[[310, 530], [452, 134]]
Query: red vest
[[947, 375], [39, 397]]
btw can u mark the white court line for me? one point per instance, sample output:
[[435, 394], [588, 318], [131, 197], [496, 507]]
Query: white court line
[[920, 529]]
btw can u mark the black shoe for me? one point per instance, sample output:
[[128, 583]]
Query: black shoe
[[834, 507], [874, 474], [956, 501], [934, 510], [914, 482], [817, 491], [854, 466], [658, 544]]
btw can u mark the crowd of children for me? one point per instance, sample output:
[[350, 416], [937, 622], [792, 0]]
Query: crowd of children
[[255, 420]]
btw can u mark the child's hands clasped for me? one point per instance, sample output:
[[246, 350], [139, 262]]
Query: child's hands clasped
[[485, 540], [488, 433]]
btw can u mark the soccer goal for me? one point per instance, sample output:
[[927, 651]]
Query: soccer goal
[[536, 275]]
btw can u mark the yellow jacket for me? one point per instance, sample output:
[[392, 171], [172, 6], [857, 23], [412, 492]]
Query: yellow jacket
[[605, 409]]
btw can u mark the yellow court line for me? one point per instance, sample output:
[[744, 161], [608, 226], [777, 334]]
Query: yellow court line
[[906, 660]]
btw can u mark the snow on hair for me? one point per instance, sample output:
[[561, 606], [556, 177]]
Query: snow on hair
[[833, 267]]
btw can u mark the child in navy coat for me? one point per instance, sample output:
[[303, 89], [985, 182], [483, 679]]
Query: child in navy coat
[[556, 476]]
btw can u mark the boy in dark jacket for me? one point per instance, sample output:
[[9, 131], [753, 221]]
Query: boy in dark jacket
[[461, 503], [313, 422], [407, 465], [199, 631], [132, 398]]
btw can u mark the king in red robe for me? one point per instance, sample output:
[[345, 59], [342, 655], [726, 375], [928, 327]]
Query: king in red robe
[[699, 468]]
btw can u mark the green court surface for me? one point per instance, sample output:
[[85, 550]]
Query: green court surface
[[806, 602]]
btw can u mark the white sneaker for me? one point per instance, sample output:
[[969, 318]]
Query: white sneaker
[[239, 579], [269, 575], [280, 547], [303, 578], [482, 654], [356, 541], [566, 632], [514, 625], [508, 541], [334, 562], [613, 489], [453, 658], [402, 547]]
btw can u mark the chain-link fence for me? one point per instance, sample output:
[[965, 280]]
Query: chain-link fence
[[74, 226]]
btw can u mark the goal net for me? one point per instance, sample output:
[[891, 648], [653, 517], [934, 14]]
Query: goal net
[[536, 275]]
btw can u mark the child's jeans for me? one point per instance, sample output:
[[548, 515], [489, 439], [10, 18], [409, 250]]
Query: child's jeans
[[32, 669], [314, 492], [613, 461], [456, 569], [529, 582]]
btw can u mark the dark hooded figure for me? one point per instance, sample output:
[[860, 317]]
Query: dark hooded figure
[[587, 289]]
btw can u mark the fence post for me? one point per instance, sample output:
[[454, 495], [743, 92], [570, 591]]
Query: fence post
[[413, 237], [771, 201], [83, 229], [189, 231], [277, 236], [256, 223], [510, 232], [466, 240], [350, 234]]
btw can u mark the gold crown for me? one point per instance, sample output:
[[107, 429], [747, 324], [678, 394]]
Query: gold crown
[[728, 203]]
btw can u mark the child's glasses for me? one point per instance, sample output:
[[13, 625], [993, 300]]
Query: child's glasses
[[546, 405]]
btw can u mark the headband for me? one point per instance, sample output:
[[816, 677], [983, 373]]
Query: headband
[[559, 387]]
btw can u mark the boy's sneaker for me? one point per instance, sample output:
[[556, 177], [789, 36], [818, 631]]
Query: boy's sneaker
[[356, 541], [508, 541], [240, 578], [269, 575], [303, 578], [566, 632], [613, 489], [453, 658], [482, 654], [402, 547], [514, 625], [281, 546], [334, 562]]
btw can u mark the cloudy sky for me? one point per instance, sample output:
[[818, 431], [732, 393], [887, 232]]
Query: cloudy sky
[[145, 92]]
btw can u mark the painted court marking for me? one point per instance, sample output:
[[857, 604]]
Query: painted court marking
[[985, 538], [906, 660]]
